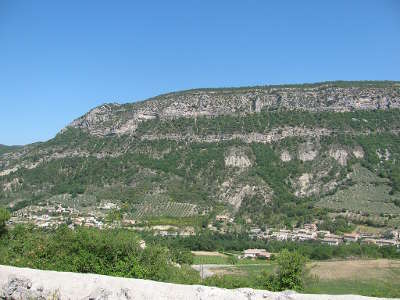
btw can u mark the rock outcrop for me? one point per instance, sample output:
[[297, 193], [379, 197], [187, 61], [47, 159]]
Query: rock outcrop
[[117, 119], [23, 283]]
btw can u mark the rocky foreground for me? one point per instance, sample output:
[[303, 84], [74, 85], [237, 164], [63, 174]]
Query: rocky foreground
[[24, 283]]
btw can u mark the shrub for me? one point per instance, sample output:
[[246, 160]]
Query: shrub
[[289, 275], [4, 217]]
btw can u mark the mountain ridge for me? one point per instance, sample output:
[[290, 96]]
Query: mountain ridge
[[328, 96], [263, 156]]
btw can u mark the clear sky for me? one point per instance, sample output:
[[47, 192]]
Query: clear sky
[[58, 59]]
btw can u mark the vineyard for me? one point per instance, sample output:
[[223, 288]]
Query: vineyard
[[157, 208]]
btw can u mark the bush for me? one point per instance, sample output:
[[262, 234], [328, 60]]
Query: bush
[[182, 256], [289, 275], [4, 217], [107, 252]]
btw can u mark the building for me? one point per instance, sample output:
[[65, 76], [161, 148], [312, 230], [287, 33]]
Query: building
[[282, 235], [255, 233], [300, 236], [311, 227], [365, 235], [331, 239], [383, 242], [256, 253], [351, 237], [369, 241]]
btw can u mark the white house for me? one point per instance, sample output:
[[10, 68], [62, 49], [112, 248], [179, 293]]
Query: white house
[[256, 253]]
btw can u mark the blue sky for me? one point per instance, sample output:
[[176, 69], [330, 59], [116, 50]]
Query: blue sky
[[58, 59]]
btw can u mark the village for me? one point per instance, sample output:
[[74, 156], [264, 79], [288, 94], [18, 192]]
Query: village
[[52, 215], [106, 216], [310, 232]]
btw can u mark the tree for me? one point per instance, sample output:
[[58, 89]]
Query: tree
[[4, 217], [289, 275], [182, 256]]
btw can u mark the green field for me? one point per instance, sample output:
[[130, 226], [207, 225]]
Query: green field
[[380, 278], [374, 288], [210, 260]]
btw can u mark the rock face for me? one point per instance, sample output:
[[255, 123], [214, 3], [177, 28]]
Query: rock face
[[285, 156], [304, 184], [116, 119], [23, 283], [238, 159], [340, 155], [358, 152], [307, 151]]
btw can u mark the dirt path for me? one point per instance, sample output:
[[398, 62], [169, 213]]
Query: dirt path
[[209, 270]]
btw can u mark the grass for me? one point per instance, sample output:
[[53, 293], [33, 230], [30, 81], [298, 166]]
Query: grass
[[379, 278], [210, 260], [251, 272], [253, 262], [374, 288]]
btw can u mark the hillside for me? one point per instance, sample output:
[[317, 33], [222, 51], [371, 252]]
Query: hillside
[[271, 155], [5, 148]]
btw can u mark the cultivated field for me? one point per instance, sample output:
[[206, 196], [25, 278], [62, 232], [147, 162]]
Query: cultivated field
[[355, 269], [157, 208], [364, 277]]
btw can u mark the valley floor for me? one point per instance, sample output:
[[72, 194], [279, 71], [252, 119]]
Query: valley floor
[[369, 277]]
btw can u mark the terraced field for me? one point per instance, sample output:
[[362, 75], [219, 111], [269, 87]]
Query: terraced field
[[369, 194]]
